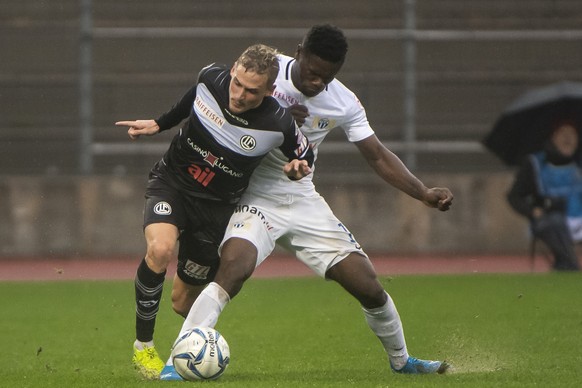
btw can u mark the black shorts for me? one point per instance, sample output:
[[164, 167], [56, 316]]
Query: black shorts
[[201, 222]]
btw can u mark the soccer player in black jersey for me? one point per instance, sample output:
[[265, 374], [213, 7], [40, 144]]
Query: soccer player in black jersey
[[306, 226], [232, 123]]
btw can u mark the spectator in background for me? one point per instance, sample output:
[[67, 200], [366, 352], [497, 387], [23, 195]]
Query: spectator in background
[[548, 191]]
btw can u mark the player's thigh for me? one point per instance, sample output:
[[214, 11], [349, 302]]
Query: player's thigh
[[318, 238], [184, 295], [164, 204], [259, 225], [161, 234], [164, 216], [198, 258]]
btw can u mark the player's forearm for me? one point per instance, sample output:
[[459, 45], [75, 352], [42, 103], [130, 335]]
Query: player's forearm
[[392, 170]]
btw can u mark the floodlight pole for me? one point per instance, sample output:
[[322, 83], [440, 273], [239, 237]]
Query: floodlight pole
[[409, 48], [86, 88]]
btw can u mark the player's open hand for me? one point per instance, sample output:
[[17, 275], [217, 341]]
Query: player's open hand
[[297, 169], [140, 127], [439, 197], [299, 113]]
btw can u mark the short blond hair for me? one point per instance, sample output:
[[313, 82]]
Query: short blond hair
[[261, 59]]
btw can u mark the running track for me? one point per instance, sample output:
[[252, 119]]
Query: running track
[[123, 268]]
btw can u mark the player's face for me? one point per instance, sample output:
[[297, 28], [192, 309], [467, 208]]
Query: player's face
[[565, 139], [247, 89], [311, 74]]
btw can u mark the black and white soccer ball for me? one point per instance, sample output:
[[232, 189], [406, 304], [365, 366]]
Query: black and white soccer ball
[[201, 354]]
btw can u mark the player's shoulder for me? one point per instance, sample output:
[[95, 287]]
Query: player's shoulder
[[280, 117], [338, 90], [269, 116], [285, 64], [337, 94], [284, 60], [213, 72]]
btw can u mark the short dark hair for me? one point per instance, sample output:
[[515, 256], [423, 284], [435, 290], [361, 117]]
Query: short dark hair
[[327, 42]]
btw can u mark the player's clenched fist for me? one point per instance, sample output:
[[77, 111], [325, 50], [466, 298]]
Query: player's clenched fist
[[299, 113], [297, 169], [439, 197]]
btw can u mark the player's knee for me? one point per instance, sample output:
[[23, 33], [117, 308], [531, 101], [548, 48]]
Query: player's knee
[[233, 273], [160, 253], [237, 271], [378, 296], [236, 262], [372, 298]]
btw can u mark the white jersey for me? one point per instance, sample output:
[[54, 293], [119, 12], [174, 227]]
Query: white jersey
[[275, 209], [335, 107]]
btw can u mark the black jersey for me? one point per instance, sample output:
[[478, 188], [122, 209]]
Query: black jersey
[[215, 151]]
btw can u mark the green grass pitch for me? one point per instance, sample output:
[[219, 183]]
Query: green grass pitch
[[496, 331]]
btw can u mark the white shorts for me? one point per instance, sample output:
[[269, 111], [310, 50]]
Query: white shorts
[[305, 226]]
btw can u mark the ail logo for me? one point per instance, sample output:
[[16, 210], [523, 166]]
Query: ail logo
[[201, 175]]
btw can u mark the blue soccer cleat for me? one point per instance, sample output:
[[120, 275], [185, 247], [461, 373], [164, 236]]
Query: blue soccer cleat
[[169, 374], [416, 366]]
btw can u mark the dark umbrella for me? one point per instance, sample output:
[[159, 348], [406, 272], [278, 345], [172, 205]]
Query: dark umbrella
[[525, 125]]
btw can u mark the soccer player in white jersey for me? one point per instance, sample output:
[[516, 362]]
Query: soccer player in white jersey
[[232, 123], [293, 215]]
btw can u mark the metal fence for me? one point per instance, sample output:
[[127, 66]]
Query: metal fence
[[436, 89]]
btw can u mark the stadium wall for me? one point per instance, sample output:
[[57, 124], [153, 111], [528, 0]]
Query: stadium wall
[[102, 216], [463, 81]]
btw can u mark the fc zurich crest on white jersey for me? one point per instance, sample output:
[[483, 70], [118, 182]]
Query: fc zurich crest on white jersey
[[323, 123]]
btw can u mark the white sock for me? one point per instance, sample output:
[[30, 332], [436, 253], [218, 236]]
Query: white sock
[[205, 310], [385, 323], [141, 345]]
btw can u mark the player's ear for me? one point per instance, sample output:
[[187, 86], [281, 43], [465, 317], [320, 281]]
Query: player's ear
[[298, 51], [270, 90]]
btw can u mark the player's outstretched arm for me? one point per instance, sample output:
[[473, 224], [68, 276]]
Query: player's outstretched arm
[[390, 168], [140, 127]]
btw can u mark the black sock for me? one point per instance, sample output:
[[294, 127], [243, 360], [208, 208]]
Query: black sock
[[148, 293]]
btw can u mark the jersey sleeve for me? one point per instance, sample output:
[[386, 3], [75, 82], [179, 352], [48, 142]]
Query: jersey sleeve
[[178, 112], [295, 144], [356, 126]]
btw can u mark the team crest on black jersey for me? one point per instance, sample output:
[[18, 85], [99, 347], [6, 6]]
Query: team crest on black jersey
[[163, 208], [248, 143]]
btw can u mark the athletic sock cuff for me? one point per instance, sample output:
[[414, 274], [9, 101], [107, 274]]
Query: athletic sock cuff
[[378, 311], [148, 277], [217, 293]]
